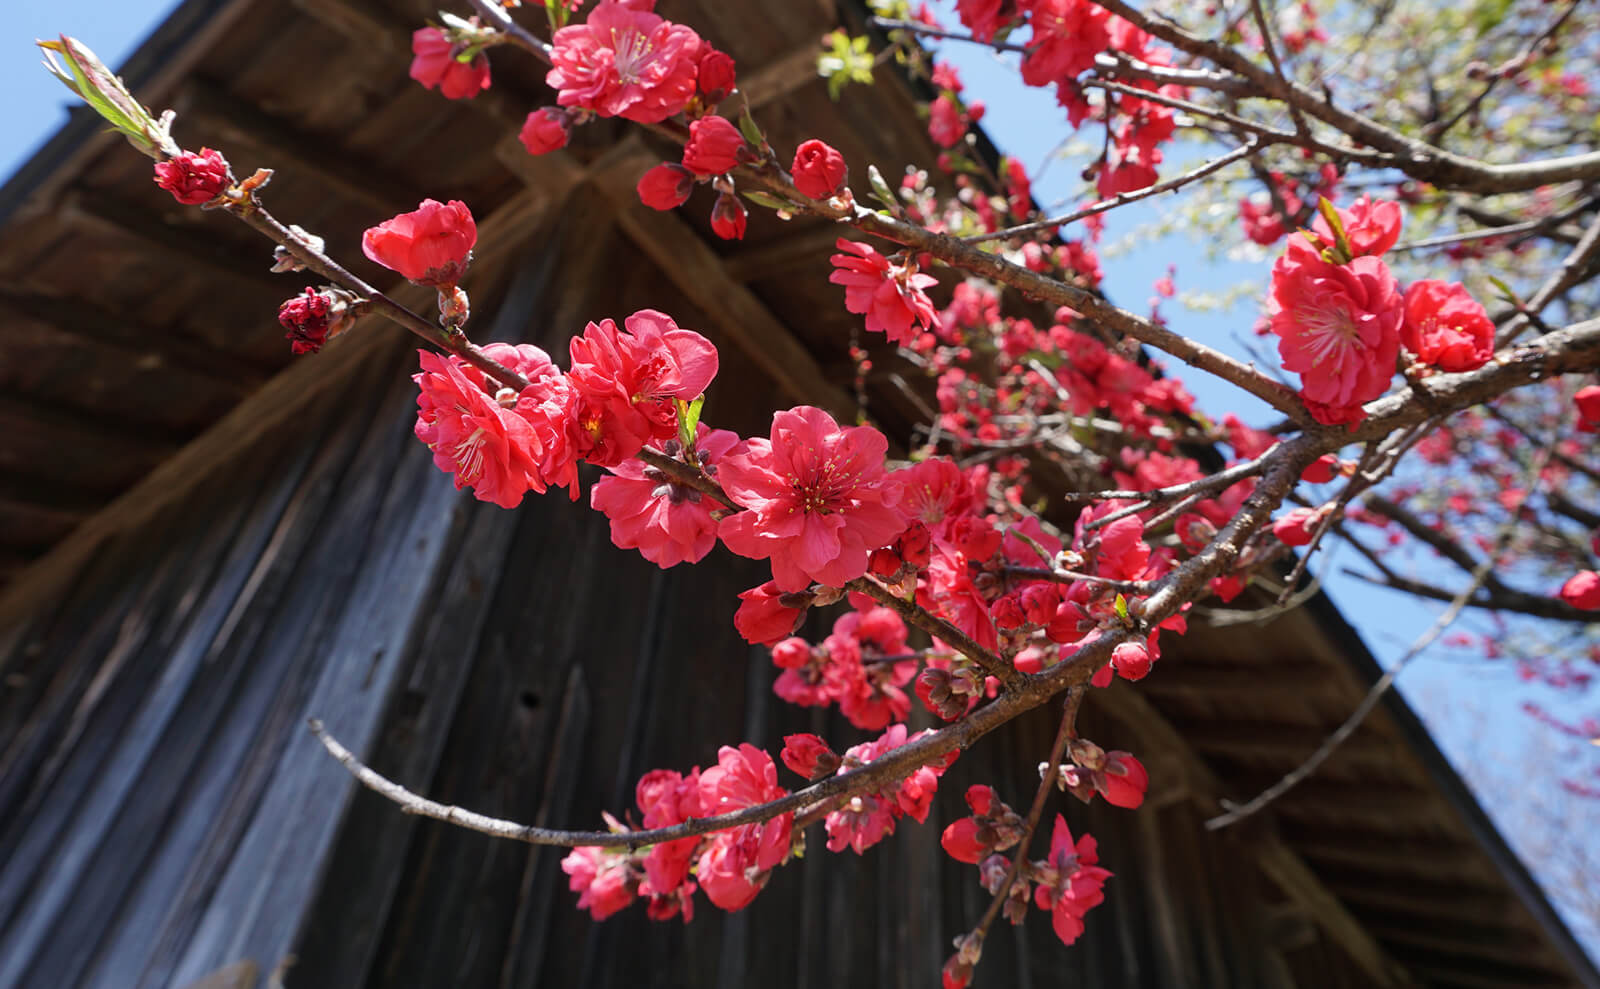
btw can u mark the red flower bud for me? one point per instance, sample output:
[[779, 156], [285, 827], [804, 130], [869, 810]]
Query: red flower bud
[[546, 129], [819, 170], [809, 756], [1297, 528], [715, 147], [1195, 531], [1582, 590], [307, 318], [914, 544], [716, 77], [194, 178], [1039, 602], [1124, 781], [728, 217], [666, 186], [430, 245], [1588, 403], [1322, 470], [982, 799], [1132, 660], [884, 563], [792, 653], [960, 841], [763, 617], [1007, 613]]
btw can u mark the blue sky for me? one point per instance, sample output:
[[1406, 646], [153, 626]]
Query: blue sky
[[1438, 687]]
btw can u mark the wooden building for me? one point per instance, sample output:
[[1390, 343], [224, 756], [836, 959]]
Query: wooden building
[[206, 544]]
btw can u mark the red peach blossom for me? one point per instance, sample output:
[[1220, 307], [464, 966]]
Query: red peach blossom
[[890, 295], [626, 381], [819, 170], [1446, 327], [1338, 328], [435, 64], [1078, 884], [735, 866], [483, 442], [819, 499], [625, 62], [193, 177], [1067, 35], [668, 523], [809, 756], [600, 878], [431, 245], [1371, 226]]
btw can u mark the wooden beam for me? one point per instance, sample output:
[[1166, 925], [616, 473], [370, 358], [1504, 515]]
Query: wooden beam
[[696, 269], [1388, 854], [293, 151], [197, 246], [272, 406], [75, 425], [811, 243], [83, 319], [1307, 680], [1142, 721], [783, 75]]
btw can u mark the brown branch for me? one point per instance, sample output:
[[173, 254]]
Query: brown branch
[[258, 218], [1499, 599], [496, 15], [1416, 158], [919, 617]]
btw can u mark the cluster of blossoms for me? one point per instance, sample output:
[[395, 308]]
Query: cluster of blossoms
[[1066, 883], [1341, 318], [1065, 38]]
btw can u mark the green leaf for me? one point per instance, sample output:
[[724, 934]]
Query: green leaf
[[1122, 608], [763, 199], [881, 191], [688, 420], [747, 127], [100, 88]]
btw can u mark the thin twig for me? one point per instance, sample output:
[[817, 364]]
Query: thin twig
[[1250, 146], [1237, 812], [1065, 731]]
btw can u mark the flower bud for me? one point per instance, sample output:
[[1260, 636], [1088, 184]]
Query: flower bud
[[819, 170], [728, 216], [546, 129], [715, 76], [194, 178], [431, 245], [1132, 660], [809, 756], [666, 186], [792, 653], [715, 147]]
